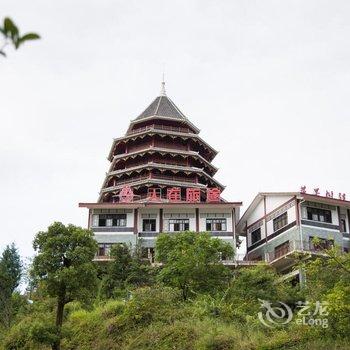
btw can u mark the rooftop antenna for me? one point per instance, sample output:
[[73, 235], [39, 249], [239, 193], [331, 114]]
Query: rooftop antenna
[[162, 90]]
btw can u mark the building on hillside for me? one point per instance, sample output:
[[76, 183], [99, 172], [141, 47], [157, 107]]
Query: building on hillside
[[279, 225], [160, 179]]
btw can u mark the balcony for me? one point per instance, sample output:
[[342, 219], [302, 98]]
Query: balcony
[[161, 127], [293, 247]]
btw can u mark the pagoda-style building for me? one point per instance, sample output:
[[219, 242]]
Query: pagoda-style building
[[160, 179], [161, 149]]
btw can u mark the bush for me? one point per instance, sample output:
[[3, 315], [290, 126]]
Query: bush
[[32, 333]]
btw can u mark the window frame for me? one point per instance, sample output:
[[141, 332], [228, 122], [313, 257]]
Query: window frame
[[311, 211], [153, 221], [282, 218], [182, 225], [214, 221], [112, 220], [251, 236]]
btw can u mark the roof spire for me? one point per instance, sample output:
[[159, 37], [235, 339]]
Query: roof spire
[[162, 90]]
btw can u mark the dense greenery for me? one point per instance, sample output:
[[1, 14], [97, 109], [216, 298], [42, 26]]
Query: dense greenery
[[10, 276], [138, 306], [192, 262], [63, 267]]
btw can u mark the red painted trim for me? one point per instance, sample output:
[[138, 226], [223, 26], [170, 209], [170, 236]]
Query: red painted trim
[[334, 201], [157, 205]]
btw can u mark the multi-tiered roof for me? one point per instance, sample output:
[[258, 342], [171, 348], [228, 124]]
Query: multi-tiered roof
[[161, 149]]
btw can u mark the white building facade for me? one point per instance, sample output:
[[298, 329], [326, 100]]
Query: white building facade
[[277, 225]]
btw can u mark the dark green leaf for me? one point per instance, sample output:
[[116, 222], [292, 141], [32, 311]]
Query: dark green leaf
[[26, 37], [10, 28]]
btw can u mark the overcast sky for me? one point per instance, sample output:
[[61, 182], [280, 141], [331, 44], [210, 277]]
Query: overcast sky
[[267, 82]]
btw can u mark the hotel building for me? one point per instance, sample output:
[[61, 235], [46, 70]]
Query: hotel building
[[160, 179], [279, 226]]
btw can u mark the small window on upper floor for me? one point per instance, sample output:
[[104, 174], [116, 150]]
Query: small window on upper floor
[[256, 235], [317, 214], [280, 221]]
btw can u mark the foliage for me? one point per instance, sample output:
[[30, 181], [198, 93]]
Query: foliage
[[158, 317], [328, 280], [126, 270], [64, 265], [192, 262], [10, 33], [10, 277]]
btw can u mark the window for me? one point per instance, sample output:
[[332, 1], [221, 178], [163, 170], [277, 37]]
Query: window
[[280, 221], [149, 225], [256, 236], [94, 220], [216, 225], [176, 225], [317, 244], [316, 214], [342, 225], [103, 249], [112, 220], [282, 249]]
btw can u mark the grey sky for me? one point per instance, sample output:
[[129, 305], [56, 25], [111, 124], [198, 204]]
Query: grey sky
[[267, 82]]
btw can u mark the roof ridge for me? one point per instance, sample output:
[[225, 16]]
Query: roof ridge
[[160, 99]]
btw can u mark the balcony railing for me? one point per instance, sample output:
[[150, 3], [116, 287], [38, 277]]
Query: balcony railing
[[173, 178], [156, 177], [294, 246], [161, 127]]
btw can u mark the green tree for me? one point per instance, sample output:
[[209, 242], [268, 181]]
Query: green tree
[[10, 277], [11, 35], [328, 280], [126, 269], [64, 267], [192, 262]]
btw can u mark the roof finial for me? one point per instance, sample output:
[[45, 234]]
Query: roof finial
[[162, 90]]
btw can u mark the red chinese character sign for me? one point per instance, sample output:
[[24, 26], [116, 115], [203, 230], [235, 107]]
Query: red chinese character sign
[[342, 196], [193, 195], [329, 194], [174, 194], [126, 195], [154, 194], [213, 194]]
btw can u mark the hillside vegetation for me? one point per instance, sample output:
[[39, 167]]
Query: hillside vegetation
[[191, 302]]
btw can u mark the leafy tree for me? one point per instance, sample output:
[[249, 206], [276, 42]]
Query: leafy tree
[[254, 283], [11, 35], [328, 280], [10, 277], [127, 269], [191, 262], [64, 266]]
